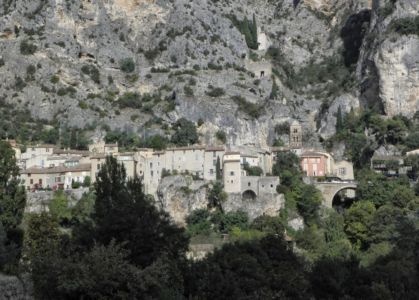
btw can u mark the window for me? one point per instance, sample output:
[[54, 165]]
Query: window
[[40, 181], [47, 149], [249, 184], [272, 185], [151, 173], [31, 181], [214, 154], [151, 165], [231, 173], [58, 179], [214, 162], [342, 171], [211, 171]]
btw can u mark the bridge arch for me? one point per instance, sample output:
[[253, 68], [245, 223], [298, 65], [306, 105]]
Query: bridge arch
[[341, 202], [330, 190], [249, 194]]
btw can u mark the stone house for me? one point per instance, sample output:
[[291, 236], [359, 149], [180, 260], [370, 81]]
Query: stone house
[[54, 177]]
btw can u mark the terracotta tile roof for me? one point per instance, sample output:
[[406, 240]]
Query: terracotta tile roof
[[214, 148], [71, 152], [187, 148], [312, 154], [280, 149], [232, 153], [98, 155], [60, 169], [42, 146]]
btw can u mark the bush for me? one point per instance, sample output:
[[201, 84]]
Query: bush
[[185, 134], [87, 181], [130, 99], [188, 91], [92, 71], [215, 92], [406, 26], [251, 109], [27, 48], [127, 65], [221, 136]]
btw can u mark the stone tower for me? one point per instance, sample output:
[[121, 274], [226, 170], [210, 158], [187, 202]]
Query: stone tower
[[232, 172], [296, 135]]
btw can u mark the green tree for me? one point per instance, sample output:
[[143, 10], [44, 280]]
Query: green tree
[[218, 172], [59, 208], [124, 213], [358, 220], [12, 204], [217, 196], [185, 133]]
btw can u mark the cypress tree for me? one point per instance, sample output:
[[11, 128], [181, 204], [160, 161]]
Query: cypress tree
[[218, 169]]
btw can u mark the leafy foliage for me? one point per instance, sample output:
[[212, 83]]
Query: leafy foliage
[[185, 133]]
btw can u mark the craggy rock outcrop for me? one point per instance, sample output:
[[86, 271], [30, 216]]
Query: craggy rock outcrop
[[62, 61], [180, 195], [264, 204], [389, 65], [37, 202]]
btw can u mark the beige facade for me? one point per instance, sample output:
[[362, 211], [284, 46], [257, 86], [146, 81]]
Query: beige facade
[[101, 147], [232, 172], [54, 177], [38, 150], [344, 170], [211, 155]]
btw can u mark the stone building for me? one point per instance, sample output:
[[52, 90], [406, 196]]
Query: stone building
[[296, 135], [232, 172]]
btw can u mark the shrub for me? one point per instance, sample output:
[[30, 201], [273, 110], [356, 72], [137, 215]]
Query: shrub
[[83, 105], [54, 79], [221, 136], [92, 71], [251, 109], [185, 134], [188, 91], [215, 92], [27, 48], [127, 65], [130, 99], [406, 26]]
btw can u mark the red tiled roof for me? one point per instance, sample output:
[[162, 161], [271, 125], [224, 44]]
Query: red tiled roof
[[60, 169]]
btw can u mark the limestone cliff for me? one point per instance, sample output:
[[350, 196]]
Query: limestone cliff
[[141, 65]]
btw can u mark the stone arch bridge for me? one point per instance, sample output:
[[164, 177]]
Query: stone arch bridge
[[330, 189]]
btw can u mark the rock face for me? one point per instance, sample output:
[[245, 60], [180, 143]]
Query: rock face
[[39, 201], [389, 66], [264, 204], [63, 60], [13, 288], [180, 195]]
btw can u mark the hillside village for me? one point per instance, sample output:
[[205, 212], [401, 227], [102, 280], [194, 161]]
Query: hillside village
[[244, 170]]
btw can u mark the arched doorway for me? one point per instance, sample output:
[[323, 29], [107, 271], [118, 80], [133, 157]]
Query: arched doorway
[[249, 195]]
